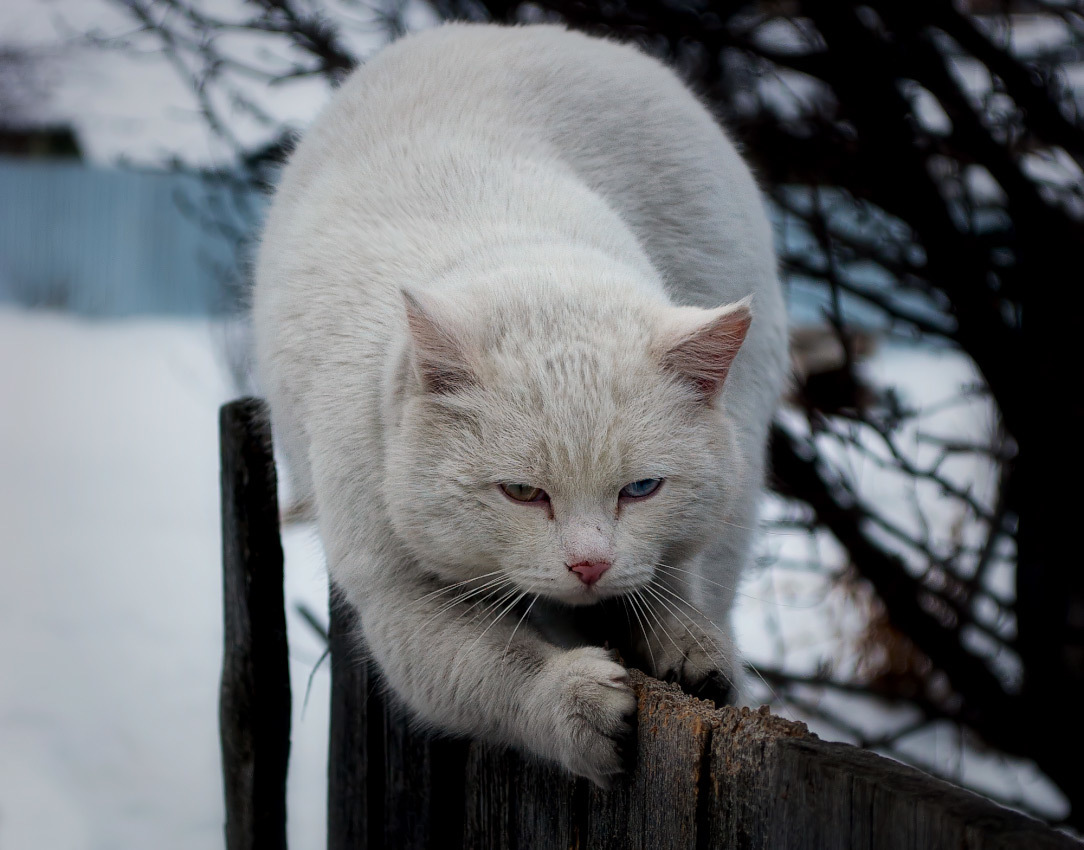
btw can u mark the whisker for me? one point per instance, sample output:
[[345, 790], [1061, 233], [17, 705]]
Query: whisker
[[486, 592], [448, 604], [676, 600], [440, 591], [628, 616], [681, 617], [650, 611], [508, 645], [499, 617], [491, 604], [643, 629], [677, 613], [694, 575], [782, 703], [493, 583], [655, 588], [522, 595], [732, 589]]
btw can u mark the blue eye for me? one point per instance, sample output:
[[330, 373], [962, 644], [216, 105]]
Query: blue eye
[[640, 489]]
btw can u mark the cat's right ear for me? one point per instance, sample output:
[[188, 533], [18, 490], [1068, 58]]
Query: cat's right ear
[[439, 354]]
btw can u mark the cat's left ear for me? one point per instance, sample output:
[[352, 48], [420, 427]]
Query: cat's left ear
[[699, 346]]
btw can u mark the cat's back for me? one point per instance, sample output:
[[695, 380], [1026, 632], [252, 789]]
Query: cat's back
[[624, 123], [526, 85], [484, 90]]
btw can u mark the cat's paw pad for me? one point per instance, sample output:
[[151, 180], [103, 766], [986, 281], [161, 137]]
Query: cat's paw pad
[[593, 714]]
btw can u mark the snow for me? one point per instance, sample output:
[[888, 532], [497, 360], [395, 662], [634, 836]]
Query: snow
[[110, 609]]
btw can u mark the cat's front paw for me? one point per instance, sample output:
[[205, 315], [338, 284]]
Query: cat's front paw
[[591, 712], [699, 659]]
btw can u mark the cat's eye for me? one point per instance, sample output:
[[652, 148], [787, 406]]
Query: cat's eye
[[524, 492], [640, 489]]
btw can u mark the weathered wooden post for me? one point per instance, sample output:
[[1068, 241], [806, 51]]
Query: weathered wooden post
[[254, 699], [355, 791], [390, 787]]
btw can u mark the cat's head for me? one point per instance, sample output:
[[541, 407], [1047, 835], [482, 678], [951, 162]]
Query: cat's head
[[567, 444]]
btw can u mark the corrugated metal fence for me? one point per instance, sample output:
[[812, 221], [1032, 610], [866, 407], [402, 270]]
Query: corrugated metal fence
[[112, 242]]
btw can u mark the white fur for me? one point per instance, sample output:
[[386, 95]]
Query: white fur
[[560, 214]]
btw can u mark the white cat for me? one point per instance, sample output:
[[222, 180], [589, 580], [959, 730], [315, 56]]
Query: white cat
[[499, 304]]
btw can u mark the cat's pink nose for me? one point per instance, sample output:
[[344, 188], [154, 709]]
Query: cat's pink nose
[[590, 571]]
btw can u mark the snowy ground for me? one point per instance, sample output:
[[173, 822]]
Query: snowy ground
[[110, 596], [110, 592]]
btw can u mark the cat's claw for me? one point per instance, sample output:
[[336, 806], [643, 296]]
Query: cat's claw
[[593, 712]]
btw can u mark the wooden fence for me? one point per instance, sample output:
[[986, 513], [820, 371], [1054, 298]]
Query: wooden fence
[[703, 777]]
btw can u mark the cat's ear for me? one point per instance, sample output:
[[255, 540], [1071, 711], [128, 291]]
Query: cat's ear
[[439, 353], [700, 345]]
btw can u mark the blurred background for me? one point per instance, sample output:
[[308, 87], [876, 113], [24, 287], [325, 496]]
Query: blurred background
[[919, 587]]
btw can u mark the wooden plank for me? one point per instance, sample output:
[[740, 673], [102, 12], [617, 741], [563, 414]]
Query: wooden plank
[[390, 785], [355, 790], [655, 806], [254, 696], [739, 785], [889, 805], [773, 784], [424, 786], [515, 801], [703, 778]]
